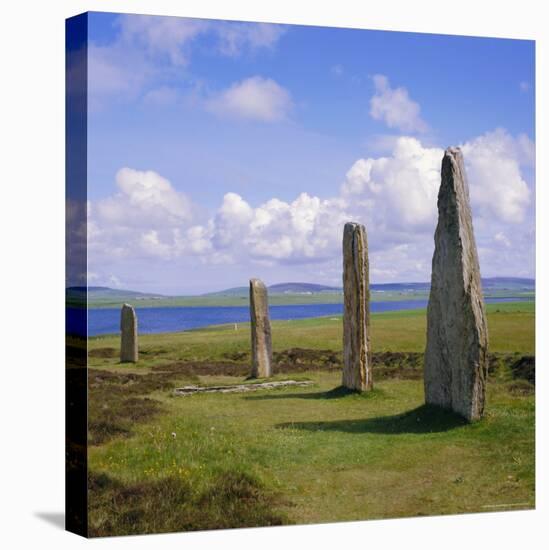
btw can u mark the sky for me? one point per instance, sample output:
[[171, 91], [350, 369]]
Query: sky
[[220, 151]]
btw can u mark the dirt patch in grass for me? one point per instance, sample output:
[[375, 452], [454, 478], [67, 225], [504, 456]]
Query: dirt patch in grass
[[239, 356], [214, 368], [116, 403], [202, 368], [229, 500], [521, 388], [390, 365], [512, 365], [306, 359], [104, 353], [129, 383], [111, 417], [387, 365], [524, 368], [101, 430], [398, 359], [400, 373]]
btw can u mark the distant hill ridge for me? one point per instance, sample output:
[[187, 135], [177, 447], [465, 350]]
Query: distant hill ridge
[[107, 292], [492, 283]]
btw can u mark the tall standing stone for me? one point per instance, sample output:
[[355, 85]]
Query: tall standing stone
[[357, 364], [261, 330], [457, 333], [128, 330]]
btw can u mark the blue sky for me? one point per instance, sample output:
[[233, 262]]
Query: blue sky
[[224, 150]]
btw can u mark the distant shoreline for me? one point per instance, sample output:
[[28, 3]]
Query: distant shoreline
[[104, 321], [285, 299]]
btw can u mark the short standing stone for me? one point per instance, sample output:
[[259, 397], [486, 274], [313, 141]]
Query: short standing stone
[[357, 365], [128, 331], [457, 334], [261, 330]]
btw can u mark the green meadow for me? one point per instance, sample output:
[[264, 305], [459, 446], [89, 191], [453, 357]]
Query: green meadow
[[160, 462]]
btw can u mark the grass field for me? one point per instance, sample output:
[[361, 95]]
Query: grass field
[[511, 328], [299, 455]]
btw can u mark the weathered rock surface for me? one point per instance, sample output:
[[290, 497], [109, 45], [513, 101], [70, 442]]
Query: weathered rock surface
[[128, 331], [456, 358], [357, 365], [262, 351]]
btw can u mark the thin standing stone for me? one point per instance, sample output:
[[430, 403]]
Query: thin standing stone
[[357, 365], [261, 330], [128, 330], [457, 334]]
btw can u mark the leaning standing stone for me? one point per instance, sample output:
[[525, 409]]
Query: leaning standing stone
[[261, 330], [457, 334], [357, 365], [128, 331]]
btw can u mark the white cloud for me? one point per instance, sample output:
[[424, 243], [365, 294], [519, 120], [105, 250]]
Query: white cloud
[[197, 239], [148, 48], [525, 150], [409, 261], [303, 230], [399, 190], [103, 279], [115, 71], [395, 107], [161, 36], [144, 218], [395, 196], [234, 38], [500, 237], [151, 243], [231, 221], [306, 229], [145, 48], [253, 98], [497, 187], [172, 36], [144, 197]]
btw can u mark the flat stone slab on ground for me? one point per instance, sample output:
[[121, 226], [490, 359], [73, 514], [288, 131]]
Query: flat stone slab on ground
[[240, 388]]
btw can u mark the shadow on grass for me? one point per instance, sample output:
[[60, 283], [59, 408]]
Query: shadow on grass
[[423, 419], [334, 393]]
